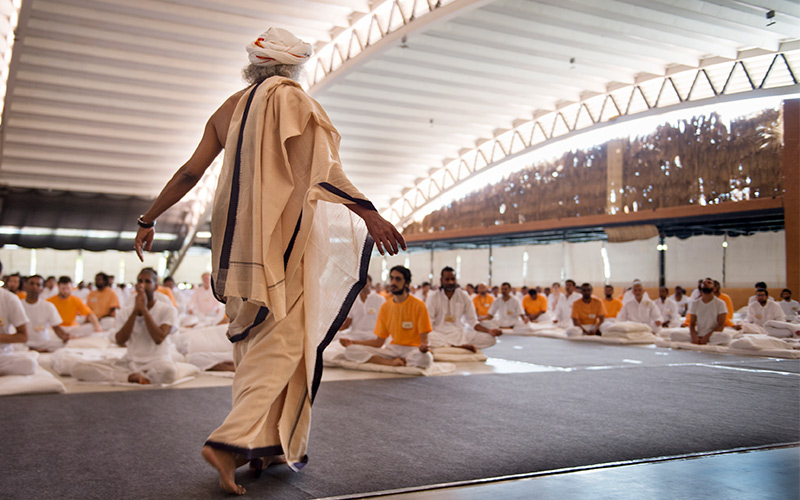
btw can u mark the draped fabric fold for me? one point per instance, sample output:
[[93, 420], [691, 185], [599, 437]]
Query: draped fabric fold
[[288, 260]]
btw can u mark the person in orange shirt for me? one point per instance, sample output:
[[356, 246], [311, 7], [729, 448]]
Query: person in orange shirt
[[588, 314], [482, 301], [404, 319], [103, 301], [69, 307], [612, 305], [728, 303], [535, 306], [168, 292]]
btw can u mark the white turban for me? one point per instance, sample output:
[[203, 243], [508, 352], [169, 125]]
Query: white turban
[[278, 46]]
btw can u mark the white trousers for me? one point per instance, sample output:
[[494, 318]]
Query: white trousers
[[445, 338], [16, 363], [517, 326], [412, 355], [577, 331], [207, 360], [782, 329], [159, 371]]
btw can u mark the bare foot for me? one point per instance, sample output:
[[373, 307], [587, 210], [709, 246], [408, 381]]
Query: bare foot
[[225, 463], [225, 366], [260, 464], [388, 362], [468, 347], [138, 378]]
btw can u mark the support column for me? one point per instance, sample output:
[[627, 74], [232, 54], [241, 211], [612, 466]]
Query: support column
[[791, 192], [662, 260], [614, 176]]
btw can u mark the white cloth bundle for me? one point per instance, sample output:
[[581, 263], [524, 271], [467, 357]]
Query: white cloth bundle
[[759, 342], [278, 46]]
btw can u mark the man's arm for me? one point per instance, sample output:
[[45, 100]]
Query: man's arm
[[600, 320], [376, 342], [15, 338], [187, 176], [423, 342], [92, 317], [157, 332], [347, 322], [387, 237], [693, 330], [124, 333], [61, 333]]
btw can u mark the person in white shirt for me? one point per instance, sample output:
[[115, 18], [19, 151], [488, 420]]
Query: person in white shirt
[[708, 314], [360, 321], [506, 312], [422, 293], [640, 309], [668, 308], [50, 288], [766, 316], [791, 308], [697, 292], [145, 325], [682, 301], [12, 315], [563, 311], [453, 318], [758, 286], [82, 291], [470, 289], [44, 331], [554, 297], [629, 295], [204, 309]]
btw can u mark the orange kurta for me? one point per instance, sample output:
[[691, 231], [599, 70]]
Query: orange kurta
[[482, 304]]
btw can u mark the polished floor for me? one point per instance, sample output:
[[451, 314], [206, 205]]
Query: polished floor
[[763, 474]]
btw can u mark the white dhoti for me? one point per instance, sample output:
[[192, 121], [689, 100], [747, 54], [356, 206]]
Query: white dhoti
[[410, 354], [208, 360], [157, 371], [447, 337], [577, 331], [336, 349], [17, 363], [517, 326], [782, 329], [78, 331]]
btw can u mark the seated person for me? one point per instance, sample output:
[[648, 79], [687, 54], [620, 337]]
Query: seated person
[[668, 309], [50, 288], [535, 306], [360, 322], [680, 298], [728, 303], [103, 301], [766, 316], [14, 285], [44, 331], [204, 309], [612, 305], [455, 323], [588, 314], [506, 311], [758, 286], [640, 309], [708, 314], [482, 301], [421, 294], [404, 319], [791, 308], [563, 311], [628, 294], [145, 325], [69, 307], [13, 315]]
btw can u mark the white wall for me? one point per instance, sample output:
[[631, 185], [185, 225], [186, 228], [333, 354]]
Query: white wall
[[691, 259], [760, 257], [634, 260]]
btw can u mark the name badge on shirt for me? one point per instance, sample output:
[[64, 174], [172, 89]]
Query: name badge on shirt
[[38, 328], [592, 316], [510, 313], [371, 311], [408, 325], [449, 318]]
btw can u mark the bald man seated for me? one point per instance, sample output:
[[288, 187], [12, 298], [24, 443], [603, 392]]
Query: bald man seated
[[640, 309], [453, 317], [145, 325], [12, 315], [405, 319]]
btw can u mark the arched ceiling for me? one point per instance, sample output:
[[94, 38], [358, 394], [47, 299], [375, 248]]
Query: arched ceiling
[[110, 96]]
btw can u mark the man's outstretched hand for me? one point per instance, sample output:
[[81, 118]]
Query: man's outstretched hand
[[144, 241], [387, 237]]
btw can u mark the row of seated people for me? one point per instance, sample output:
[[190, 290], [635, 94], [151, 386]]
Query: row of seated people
[[454, 319], [47, 325]]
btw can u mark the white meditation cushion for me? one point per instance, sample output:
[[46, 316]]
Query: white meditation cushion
[[42, 381], [435, 368], [207, 339], [457, 354], [759, 342], [619, 329], [92, 342]]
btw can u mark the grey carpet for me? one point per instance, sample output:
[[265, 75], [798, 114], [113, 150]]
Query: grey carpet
[[371, 435]]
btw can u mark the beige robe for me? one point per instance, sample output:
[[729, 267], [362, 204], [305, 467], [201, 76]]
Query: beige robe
[[288, 259]]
